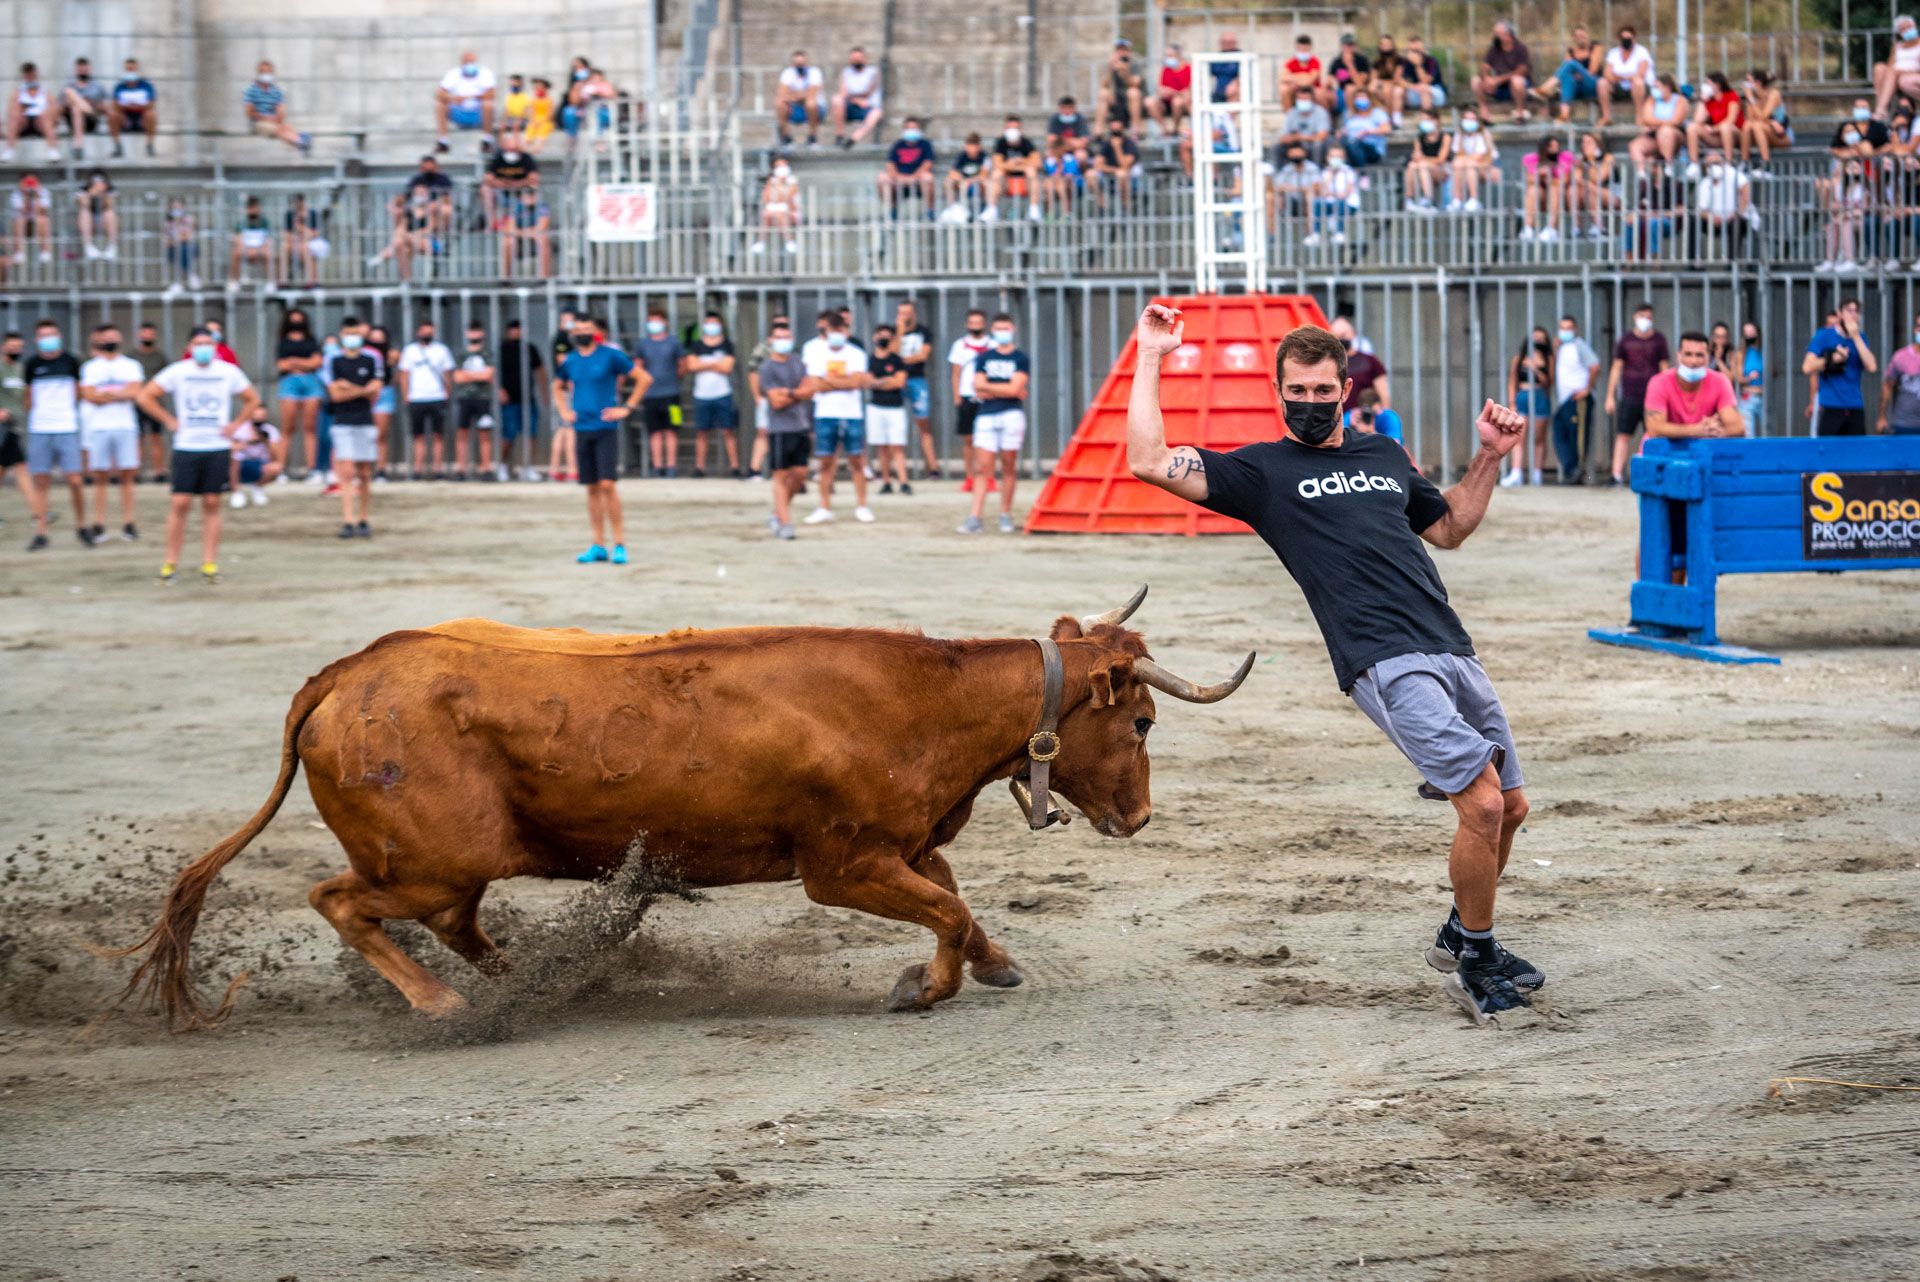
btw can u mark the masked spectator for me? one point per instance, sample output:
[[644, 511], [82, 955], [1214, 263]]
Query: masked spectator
[[710, 362], [521, 391], [796, 100], [1767, 127], [1663, 119], [96, 210], [1173, 96], [1626, 73], [265, 105], [915, 342], [1548, 170], [1336, 199], [1656, 205], [252, 245], [153, 438], [1530, 391], [1425, 88], [425, 376], [32, 111], [1068, 126], [1847, 195], [1301, 73], [908, 168], [303, 243], [1120, 90], [789, 390], [1428, 164], [839, 369], [201, 390], [1506, 74], [1637, 356], [1753, 377], [1581, 75], [1296, 182], [526, 237], [1717, 120], [1015, 171], [665, 362], [1116, 166], [1900, 395], [1590, 189], [1720, 353], [86, 103], [251, 464], [134, 107], [473, 419], [857, 105], [1351, 71], [300, 387], [543, 111], [589, 100], [1576, 368], [1389, 84], [1724, 199], [1860, 136], [1692, 399], [109, 426], [1476, 162], [1224, 75], [1306, 125], [1365, 130], [966, 180], [516, 106], [886, 421], [1900, 73], [180, 244], [1838, 356], [464, 99], [779, 208], [1002, 381], [510, 170]]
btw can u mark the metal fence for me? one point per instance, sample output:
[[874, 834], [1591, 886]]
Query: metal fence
[[1447, 340]]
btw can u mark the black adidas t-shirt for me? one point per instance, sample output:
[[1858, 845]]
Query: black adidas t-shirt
[[1346, 523]]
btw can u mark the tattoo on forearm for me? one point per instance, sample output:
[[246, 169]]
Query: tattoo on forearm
[[1182, 465]]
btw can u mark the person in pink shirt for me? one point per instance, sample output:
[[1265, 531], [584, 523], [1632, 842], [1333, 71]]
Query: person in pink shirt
[[1547, 172], [1692, 399]]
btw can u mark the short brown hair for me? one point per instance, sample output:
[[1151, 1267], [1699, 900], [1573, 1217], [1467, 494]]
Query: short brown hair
[[1309, 345]]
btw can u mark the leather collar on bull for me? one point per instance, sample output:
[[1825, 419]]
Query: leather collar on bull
[[1043, 745]]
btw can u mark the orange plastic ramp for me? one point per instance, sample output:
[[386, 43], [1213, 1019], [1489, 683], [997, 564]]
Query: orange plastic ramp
[[1215, 390]]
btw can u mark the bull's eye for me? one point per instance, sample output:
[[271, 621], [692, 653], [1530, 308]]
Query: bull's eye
[[1141, 725]]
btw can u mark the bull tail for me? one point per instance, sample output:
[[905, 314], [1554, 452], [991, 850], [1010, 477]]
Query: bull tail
[[162, 979]]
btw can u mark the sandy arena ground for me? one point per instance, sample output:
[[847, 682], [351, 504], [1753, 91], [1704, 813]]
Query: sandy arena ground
[[1229, 1060]]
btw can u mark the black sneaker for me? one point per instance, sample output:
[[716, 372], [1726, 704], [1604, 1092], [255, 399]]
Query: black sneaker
[[85, 535], [129, 533], [1445, 956], [906, 487], [699, 473], [37, 544], [1481, 993], [346, 530], [886, 487], [363, 531], [99, 534]]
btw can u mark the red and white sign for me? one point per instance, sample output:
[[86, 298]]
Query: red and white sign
[[621, 212]]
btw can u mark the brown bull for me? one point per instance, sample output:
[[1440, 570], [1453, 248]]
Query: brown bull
[[447, 758]]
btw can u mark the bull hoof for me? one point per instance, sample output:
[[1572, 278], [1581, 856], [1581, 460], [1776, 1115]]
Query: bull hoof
[[1005, 975], [910, 990], [442, 1007]]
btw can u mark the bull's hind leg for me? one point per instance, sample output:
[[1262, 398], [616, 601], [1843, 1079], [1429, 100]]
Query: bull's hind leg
[[458, 928], [356, 908], [886, 887], [987, 962]]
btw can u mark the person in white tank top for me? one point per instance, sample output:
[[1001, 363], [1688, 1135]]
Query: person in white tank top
[[1900, 73]]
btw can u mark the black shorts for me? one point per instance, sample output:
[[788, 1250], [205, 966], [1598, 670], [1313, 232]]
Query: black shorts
[[660, 415], [11, 455], [150, 426], [427, 416], [963, 425], [201, 471], [473, 414], [789, 449], [1831, 421], [599, 456], [1630, 418]]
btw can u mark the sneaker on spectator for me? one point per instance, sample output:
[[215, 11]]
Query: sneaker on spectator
[[1339, 238], [1693, 171], [971, 525], [1453, 206], [1549, 233], [1006, 523], [194, 282], [1473, 205], [1846, 267], [991, 214], [863, 514], [793, 247], [1596, 232], [1824, 267], [238, 500], [6, 155], [819, 516], [758, 247], [258, 495], [1033, 213], [1310, 239], [1526, 235], [53, 154]]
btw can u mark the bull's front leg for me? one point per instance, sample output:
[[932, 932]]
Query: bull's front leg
[[883, 884], [986, 961]]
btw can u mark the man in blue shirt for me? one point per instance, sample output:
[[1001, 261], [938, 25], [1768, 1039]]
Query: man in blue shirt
[[133, 106], [1839, 354], [909, 167], [664, 360], [1226, 75], [586, 396]]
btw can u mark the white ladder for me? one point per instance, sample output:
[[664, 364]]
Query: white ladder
[[1229, 185]]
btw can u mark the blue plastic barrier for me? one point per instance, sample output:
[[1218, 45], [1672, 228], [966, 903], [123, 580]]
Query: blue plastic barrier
[[1714, 507]]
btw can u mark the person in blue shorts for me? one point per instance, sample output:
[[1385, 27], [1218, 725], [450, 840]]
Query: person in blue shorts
[[916, 352], [586, 397], [520, 369], [297, 361]]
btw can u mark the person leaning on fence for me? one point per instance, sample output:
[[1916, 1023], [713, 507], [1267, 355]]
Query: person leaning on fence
[[1753, 377], [1506, 74], [31, 110], [303, 245], [252, 244], [1692, 399], [1530, 391], [1900, 73], [265, 105], [1724, 200], [1576, 367]]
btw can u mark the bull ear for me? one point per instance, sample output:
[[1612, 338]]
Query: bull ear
[[1066, 628], [1108, 676]]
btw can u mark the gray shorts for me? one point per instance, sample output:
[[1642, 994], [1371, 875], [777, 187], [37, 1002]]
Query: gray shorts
[[112, 449], [353, 444], [1441, 711]]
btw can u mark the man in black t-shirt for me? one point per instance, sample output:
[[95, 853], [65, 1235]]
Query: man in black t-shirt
[[521, 391], [1345, 512], [1015, 171], [353, 380]]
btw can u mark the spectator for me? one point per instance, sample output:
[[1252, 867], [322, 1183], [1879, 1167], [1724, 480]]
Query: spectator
[[1116, 165], [146, 350], [1368, 416], [1120, 89], [1336, 199], [1900, 395], [109, 428], [135, 107], [510, 170], [711, 362], [1590, 190], [1364, 131], [429, 194], [1225, 73], [1846, 196], [1626, 73], [1663, 117], [586, 388], [965, 351], [1015, 172], [1390, 77], [387, 402], [252, 462], [916, 353], [1069, 127], [87, 104], [1656, 204], [1692, 399], [1506, 74], [1900, 73], [589, 100], [220, 349], [424, 373], [464, 99], [966, 181], [779, 208], [411, 232], [1002, 380], [33, 217], [1581, 75], [52, 377], [473, 419], [516, 107], [1427, 164], [1860, 136], [252, 244], [1839, 355], [521, 390], [1717, 120], [1767, 124], [887, 405], [1365, 370], [543, 110], [202, 420], [1306, 125], [838, 368], [563, 458], [789, 391], [265, 105], [757, 465], [1476, 162], [297, 359], [1296, 185], [355, 379], [1425, 89], [13, 414], [1720, 353], [1548, 169], [1351, 72], [858, 102], [1724, 199], [1575, 369], [180, 246], [1173, 98], [665, 361], [303, 246], [95, 210], [32, 111], [1062, 177], [1753, 377], [526, 234], [1637, 357], [796, 100], [1530, 391], [1300, 73], [909, 167]]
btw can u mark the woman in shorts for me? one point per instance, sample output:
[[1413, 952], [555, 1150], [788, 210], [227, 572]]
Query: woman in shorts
[[97, 212], [1767, 125], [1591, 188], [1475, 162], [388, 402], [296, 360], [1530, 390], [1427, 164], [1663, 122]]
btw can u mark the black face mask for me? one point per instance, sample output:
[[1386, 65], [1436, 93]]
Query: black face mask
[[1311, 422], [583, 341], [976, 331], [109, 348]]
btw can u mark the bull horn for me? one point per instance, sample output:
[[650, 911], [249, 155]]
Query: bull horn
[[1125, 612], [1181, 688]]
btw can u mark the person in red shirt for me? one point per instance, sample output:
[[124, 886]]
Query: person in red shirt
[[1692, 399], [1719, 119], [1169, 105], [1304, 71], [221, 352]]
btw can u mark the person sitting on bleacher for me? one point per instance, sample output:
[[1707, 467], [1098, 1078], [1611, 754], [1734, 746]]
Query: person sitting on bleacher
[[1301, 71], [1069, 127], [1506, 74], [1062, 176], [1900, 73], [1295, 184], [1580, 74], [1350, 73], [464, 99], [857, 105], [1116, 163], [909, 167], [1765, 108], [1225, 76], [1717, 119], [30, 112], [1306, 124], [1476, 162], [1174, 98], [265, 104], [966, 180], [1120, 88], [134, 107], [796, 100], [1015, 171], [1365, 130], [1428, 164], [1861, 135], [1627, 73], [543, 112], [1663, 117], [1425, 89], [86, 103]]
